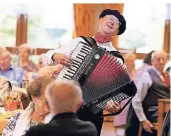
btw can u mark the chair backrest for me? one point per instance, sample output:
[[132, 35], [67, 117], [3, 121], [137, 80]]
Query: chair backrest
[[166, 125], [5, 88]]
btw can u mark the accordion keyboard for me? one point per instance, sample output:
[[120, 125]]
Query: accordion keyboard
[[78, 56]]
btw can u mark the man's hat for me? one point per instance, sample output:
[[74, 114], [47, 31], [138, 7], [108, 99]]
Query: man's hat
[[121, 19]]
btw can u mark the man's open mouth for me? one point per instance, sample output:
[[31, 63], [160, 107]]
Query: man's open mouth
[[110, 26]]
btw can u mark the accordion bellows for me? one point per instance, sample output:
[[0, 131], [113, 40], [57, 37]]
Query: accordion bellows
[[101, 75]]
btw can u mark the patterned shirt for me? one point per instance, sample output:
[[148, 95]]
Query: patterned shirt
[[10, 127]]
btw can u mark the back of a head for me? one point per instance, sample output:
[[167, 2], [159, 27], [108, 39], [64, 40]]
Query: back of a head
[[37, 86], [2, 49], [23, 47], [147, 59], [63, 96]]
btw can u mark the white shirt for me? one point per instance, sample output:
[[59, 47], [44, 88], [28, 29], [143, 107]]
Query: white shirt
[[142, 84], [67, 49]]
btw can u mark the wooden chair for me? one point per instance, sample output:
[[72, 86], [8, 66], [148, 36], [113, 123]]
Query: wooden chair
[[3, 122], [163, 108]]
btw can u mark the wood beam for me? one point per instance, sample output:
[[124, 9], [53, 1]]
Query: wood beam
[[21, 29]]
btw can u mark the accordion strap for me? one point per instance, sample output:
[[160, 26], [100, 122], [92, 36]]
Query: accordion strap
[[113, 114], [117, 54], [89, 40], [92, 42]]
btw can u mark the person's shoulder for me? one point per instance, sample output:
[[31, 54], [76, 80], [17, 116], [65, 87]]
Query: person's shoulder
[[43, 129], [90, 127], [18, 68]]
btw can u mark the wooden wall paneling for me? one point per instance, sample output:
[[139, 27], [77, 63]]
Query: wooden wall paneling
[[86, 16], [39, 51], [21, 29], [166, 43]]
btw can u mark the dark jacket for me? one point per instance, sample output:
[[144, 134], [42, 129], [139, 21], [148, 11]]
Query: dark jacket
[[65, 124]]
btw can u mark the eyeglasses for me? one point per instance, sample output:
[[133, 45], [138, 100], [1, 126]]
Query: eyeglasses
[[113, 18]]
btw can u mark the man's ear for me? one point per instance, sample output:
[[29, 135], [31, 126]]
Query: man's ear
[[116, 31], [152, 61], [33, 99], [79, 104]]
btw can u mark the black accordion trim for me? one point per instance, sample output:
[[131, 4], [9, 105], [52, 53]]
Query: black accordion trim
[[91, 41]]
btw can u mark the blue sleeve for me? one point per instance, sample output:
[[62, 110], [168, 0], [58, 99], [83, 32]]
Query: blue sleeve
[[19, 73]]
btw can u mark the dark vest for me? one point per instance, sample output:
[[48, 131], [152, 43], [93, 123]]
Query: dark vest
[[158, 90]]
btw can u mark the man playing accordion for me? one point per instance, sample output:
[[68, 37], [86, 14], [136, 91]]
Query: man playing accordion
[[110, 23]]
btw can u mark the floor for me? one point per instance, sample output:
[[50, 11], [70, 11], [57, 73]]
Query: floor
[[108, 129]]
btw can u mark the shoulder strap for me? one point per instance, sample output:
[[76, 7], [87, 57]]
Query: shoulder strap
[[89, 40], [117, 54]]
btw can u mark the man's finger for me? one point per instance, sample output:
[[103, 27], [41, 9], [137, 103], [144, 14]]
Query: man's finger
[[149, 130], [116, 103]]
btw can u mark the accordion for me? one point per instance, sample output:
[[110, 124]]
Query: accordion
[[101, 75]]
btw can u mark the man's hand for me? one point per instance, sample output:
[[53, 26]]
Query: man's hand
[[62, 59], [146, 124], [112, 106]]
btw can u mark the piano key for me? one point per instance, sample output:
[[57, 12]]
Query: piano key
[[65, 72], [75, 65], [72, 68], [69, 74], [77, 61], [84, 46], [73, 72], [76, 55], [79, 58], [82, 55], [81, 49], [67, 77], [84, 52]]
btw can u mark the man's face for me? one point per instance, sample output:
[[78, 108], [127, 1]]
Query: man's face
[[109, 25], [5, 62], [24, 53], [159, 61]]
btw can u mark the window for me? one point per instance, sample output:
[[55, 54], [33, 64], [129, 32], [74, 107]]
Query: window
[[49, 26], [8, 18], [145, 27]]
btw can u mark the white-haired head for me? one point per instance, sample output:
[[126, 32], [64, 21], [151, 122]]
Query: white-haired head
[[159, 60], [63, 96]]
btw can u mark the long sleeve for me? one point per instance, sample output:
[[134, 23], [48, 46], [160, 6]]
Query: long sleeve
[[10, 126], [65, 49], [143, 84]]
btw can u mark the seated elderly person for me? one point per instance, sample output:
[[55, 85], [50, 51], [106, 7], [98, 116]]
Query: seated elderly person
[[64, 98], [5, 87], [40, 63], [36, 113], [48, 71], [2, 49], [12, 73], [24, 61]]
